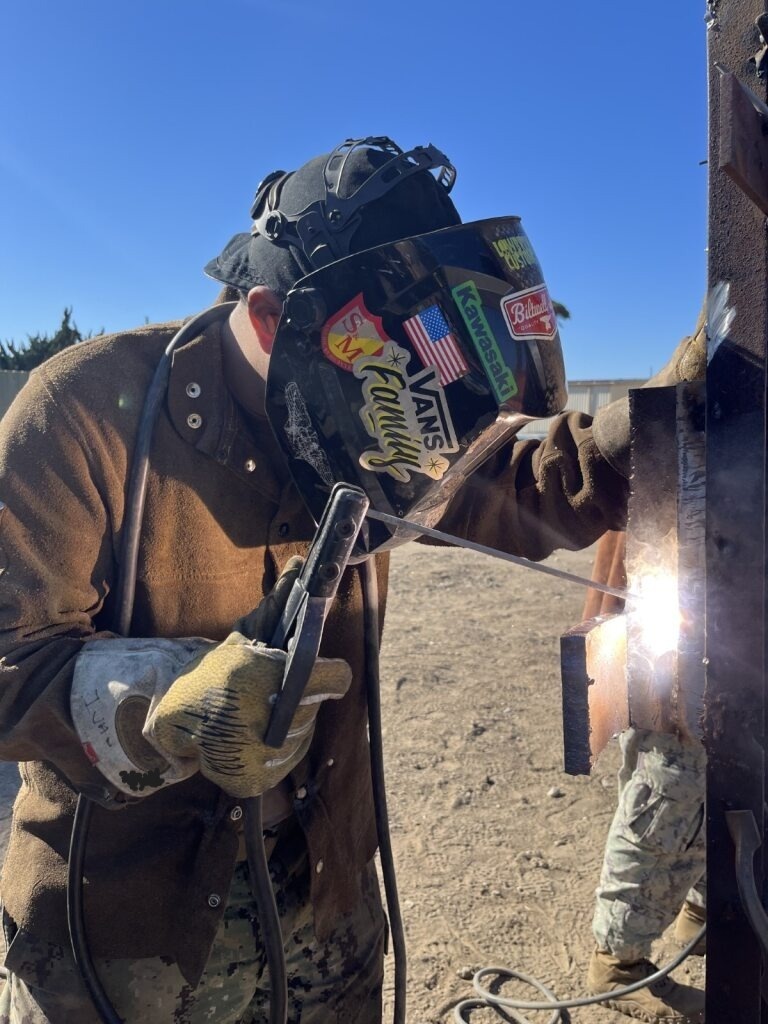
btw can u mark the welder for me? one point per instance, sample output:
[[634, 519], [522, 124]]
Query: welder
[[349, 280]]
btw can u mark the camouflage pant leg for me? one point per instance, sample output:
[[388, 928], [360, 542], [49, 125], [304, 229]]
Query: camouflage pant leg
[[335, 981], [655, 850], [338, 981], [44, 986]]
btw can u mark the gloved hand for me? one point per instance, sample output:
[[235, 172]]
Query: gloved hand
[[215, 712], [610, 427]]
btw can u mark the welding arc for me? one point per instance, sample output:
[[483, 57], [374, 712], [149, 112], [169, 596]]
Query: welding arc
[[526, 563]]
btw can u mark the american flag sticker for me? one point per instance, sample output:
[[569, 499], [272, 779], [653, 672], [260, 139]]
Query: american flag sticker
[[436, 346]]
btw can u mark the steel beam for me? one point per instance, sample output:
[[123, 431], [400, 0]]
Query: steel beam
[[736, 508]]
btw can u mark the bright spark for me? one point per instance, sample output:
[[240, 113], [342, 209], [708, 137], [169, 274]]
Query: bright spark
[[658, 611]]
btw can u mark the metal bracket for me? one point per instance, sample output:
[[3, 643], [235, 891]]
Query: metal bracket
[[746, 839], [744, 138]]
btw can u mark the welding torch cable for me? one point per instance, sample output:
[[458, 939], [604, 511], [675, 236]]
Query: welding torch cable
[[483, 549], [486, 999], [371, 637]]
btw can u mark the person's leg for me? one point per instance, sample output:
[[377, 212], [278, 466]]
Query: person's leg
[[339, 980], [654, 853], [655, 850], [44, 986]]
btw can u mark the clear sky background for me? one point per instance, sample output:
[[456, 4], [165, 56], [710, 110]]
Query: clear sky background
[[133, 135]]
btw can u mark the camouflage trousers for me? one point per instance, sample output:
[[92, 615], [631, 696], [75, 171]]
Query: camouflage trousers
[[334, 982], [655, 852]]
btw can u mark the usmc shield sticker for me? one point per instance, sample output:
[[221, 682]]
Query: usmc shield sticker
[[406, 415], [352, 332], [530, 315]]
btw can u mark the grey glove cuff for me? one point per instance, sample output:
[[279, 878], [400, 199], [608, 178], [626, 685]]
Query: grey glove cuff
[[116, 681], [610, 429]]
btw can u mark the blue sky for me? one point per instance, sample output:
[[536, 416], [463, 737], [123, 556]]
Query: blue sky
[[132, 136]]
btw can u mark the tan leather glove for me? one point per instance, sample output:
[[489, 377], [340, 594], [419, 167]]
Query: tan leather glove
[[216, 711], [610, 427]]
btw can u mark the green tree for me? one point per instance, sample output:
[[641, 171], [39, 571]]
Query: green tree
[[39, 347], [561, 312]]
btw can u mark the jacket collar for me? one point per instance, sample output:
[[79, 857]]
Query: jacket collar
[[206, 416]]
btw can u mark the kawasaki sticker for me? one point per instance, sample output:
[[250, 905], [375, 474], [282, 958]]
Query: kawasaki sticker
[[406, 415], [501, 378], [530, 314], [353, 332]]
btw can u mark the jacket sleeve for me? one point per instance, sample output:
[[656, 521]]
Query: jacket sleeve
[[533, 497], [56, 566]]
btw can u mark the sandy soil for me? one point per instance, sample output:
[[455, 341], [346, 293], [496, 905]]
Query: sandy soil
[[498, 851]]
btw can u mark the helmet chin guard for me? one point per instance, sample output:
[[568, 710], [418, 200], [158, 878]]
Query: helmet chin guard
[[401, 368]]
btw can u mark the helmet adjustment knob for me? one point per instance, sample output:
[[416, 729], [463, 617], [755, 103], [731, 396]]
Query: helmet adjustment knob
[[305, 308]]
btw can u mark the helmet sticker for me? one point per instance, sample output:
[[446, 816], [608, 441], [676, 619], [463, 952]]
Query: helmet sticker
[[407, 415], [353, 332], [515, 251], [501, 378], [302, 436], [530, 315], [436, 346]]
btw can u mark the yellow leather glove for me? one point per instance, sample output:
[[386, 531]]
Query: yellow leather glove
[[216, 711]]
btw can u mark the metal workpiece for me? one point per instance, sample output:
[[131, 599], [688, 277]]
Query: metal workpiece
[[593, 661], [665, 560], [735, 704], [645, 667]]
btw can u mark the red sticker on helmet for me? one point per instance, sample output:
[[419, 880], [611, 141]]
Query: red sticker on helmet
[[530, 315], [351, 333]]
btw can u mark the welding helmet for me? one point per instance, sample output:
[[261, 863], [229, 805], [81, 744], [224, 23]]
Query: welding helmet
[[402, 367]]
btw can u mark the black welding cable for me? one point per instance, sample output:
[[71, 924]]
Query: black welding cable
[[75, 917], [266, 907], [371, 633]]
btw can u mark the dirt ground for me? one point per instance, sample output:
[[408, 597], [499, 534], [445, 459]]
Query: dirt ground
[[498, 852]]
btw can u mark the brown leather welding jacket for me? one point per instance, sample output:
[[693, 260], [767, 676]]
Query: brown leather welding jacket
[[222, 518]]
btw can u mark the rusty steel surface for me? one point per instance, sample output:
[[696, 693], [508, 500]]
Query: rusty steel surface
[[593, 658], [735, 532], [743, 144]]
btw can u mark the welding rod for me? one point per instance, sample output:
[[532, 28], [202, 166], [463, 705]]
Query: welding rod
[[526, 563]]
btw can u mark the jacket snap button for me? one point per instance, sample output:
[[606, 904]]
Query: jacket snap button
[[283, 530], [301, 792], [194, 420], [214, 900], [319, 867], [236, 813], [250, 465], [193, 390]]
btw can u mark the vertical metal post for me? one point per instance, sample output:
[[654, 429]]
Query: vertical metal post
[[735, 724]]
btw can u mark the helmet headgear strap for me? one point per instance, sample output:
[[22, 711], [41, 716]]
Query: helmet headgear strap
[[323, 230]]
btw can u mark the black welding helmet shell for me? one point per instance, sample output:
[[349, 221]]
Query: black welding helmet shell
[[401, 368]]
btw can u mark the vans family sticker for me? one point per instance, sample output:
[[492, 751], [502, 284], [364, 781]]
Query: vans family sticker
[[406, 415]]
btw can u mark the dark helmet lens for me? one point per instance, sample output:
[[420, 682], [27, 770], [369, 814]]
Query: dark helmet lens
[[398, 367]]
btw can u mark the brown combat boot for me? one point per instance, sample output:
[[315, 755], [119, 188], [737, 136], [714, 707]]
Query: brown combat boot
[[664, 1002], [688, 925]]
